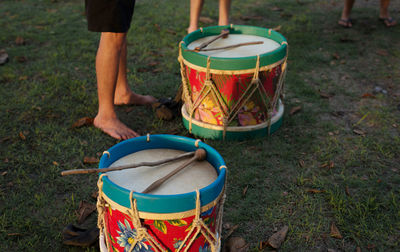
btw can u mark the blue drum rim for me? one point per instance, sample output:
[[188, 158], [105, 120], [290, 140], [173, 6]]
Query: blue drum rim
[[162, 203]]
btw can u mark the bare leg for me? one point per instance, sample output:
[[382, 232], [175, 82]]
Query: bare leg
[[384, 13], [107, 65], [345, 18], [123, 94], [224, 6], [195, 9]]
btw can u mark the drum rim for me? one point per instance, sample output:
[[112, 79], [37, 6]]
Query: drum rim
[[241, 63], [162, 203]]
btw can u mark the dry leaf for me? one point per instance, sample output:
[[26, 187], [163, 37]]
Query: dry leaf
[[359, 132], [368, 95], [153, 63], [55, 163], [21, 59], [335, 231], [364, 177], [171, 31], [326, 95], [301, 163], [230, 231], [22, 136], [4, 173], [277, 239], [143, 70], [294, 110], [331, 250], [85, 209], [235, 244], [90, 160], [206, 20], [371, 246], [336, 56], [85, 121], [20, 41], [245, 190], [315, 191], [276, 8], [347, 191], [331, 164], [164, 113], [382, 52], [14, 234], [3, 57]]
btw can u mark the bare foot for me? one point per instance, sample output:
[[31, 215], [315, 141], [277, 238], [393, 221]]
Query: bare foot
[[114, 127], [192, 29], [132, 98]]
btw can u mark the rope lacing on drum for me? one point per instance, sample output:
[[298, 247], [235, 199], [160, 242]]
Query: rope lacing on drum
[[198, 226], [141, 232], [101, 205]]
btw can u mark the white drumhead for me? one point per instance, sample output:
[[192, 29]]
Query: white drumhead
[[232, 39], [195, 176]]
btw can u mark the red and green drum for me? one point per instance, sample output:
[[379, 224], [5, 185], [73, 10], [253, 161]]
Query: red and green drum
[[233, 93], [182, 214]]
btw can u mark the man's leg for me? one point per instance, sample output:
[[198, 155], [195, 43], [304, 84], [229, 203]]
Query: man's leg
[[384, 13], [107, 65], [195, 10], [123, 94], [224, 6], [345, 18]]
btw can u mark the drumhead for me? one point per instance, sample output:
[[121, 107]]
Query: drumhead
[[195, 176], [268, 45]]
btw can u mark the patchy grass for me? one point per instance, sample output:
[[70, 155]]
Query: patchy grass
[[336, 161]]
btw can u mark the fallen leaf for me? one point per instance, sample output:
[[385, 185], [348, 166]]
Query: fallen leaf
[[331, 250], [156, 70], [326, 95], [276, 8], [22, 136], [171, 31], [235, 244], [90, 160], [368, 95], [347, 191], [294, 110], [285, 193], [371, 246], [331, 164], [21, 59], [301, 163], [22, 78], [277, 239], [230, 231], [364, 177], [382, 52], [336, 56], [4, 139], [20, 41], [286, 15], [55, 163], [164, 113], [4, 173], [206, 20], [245, 190], [227, 225], [3, 57], [359, 132], [14, 234], [315, 191], [85, 209], [335, 233], [84, 121], [143, 70]]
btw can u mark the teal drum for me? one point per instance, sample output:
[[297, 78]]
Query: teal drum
[[233, 87], [183, 213]]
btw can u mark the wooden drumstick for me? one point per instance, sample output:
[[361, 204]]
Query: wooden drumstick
[[227, 47], [224, 34], [122, 167], [199, 155]]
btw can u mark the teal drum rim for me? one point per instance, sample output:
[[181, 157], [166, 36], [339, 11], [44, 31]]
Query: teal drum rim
[[162, 203], [231, 64], [210, 131]]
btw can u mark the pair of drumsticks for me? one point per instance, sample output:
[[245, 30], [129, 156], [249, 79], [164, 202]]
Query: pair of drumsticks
[[198, 155], [224, 34]]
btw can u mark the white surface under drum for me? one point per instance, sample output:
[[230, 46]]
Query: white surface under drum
[[232, 39], [195, 176]]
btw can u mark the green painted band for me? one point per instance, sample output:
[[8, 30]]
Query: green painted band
[[241, 63]]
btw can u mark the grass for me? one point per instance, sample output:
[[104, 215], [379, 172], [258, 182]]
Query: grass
[[49, 83]]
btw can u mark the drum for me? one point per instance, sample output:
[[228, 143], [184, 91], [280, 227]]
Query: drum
[[234, 92], [182, 214]]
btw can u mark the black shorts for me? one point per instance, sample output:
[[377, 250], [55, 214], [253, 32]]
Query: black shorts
[[109, 15]]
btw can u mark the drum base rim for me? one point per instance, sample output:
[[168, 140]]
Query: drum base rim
[[211, 131]]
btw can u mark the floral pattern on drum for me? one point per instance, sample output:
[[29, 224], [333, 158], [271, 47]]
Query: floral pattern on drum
[[231, 88], [121, 232]]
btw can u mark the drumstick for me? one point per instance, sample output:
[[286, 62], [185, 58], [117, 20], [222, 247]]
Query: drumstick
[[122, 167], [227, 47], [224, 34], [199, 155]]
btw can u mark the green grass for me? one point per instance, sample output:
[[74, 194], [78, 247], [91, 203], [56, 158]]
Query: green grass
[[43, 96]]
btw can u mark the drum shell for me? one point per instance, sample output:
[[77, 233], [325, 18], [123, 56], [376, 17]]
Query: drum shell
[[168, 224]]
